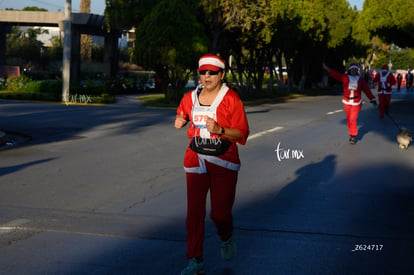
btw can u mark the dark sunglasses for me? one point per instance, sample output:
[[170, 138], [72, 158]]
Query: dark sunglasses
[[209, 72]]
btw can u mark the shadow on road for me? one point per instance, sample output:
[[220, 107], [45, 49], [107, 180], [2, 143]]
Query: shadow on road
[[16, 168], [50, 122], [356, 222]]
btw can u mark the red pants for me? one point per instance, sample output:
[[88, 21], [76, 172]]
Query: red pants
[[384, 101], [222, 185], [352, 112]]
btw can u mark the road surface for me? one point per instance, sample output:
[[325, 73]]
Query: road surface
[[101, 190]]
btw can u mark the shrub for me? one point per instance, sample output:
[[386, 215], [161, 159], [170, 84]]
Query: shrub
[[51, 90], [16, 83], [2, 84]]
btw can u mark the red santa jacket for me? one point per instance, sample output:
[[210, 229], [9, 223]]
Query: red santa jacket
[[353, 86], [229, 114], [385, 80]]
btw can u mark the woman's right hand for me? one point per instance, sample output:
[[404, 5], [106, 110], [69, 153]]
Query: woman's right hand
[[180, 121]]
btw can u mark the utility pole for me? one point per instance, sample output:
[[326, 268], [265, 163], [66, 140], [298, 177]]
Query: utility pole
[[67, 45]]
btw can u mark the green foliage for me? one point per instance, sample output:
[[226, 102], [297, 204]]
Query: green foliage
[[56, 51], [3, 83], [16, 83], [97, 53], [46, 86], [299, 34], [26, 47], [156, 100], [400, 59], [23, 88], [88, 88], [170, 40], [124, 14], [33, 8], [391, 20], [105, 98], [170, 34]]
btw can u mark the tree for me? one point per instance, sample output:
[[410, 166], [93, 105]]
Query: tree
[[33, 8], [391, 20], [327, 28], [86, 40], [125, 14], [23, 45], [297, 33], [400, 58], [56, 51], [170, 40], [258, 34], [307, 32], [238, 29]]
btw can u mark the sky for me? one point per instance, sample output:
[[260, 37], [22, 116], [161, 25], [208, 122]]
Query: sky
[[357, 3], [97, 6]]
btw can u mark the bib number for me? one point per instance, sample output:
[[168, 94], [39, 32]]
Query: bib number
[[200, 115]]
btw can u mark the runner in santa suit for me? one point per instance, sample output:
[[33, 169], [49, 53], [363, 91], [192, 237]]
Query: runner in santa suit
[[353, 86], [217, 123], [385, 80]]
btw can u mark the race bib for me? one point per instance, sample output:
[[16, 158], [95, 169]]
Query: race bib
[[353, 86], [353, 83], [200, 115]]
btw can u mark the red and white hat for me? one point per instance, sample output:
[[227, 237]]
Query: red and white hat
[[211, 62], [353, 66]]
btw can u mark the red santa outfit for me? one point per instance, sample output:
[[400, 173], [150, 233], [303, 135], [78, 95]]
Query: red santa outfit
[[228, 111], [353, 86], [385, 80], [216, 171]]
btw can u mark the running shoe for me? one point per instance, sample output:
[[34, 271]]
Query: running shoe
[[228, 249], [194, 268]]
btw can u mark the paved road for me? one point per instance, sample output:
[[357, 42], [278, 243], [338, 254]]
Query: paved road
[[100, 190]]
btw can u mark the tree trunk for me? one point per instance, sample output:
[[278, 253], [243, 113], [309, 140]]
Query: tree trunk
[[86, 40]]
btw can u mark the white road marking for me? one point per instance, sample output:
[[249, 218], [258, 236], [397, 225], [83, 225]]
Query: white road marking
[[334, 112], [262, 133], [259, 134], [13, 225]]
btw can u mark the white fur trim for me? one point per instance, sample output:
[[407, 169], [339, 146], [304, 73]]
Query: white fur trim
[[202, 169], [211, 61]]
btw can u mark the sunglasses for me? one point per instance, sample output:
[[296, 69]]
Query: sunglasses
[[209, 72]]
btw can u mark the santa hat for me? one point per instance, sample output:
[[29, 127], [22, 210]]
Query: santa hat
[[384, 68], [211, 62], [353, 66]]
